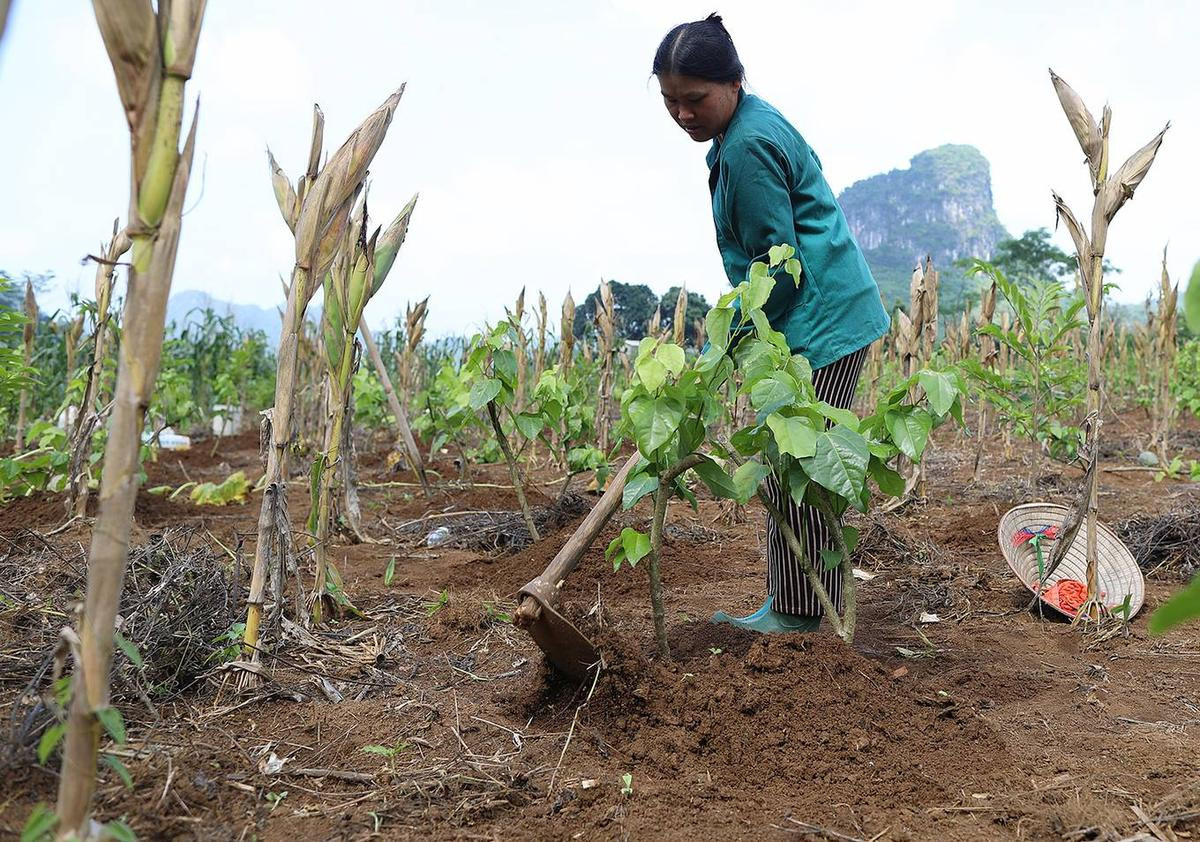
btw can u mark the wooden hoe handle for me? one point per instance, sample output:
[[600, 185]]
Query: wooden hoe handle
[[545, 588]]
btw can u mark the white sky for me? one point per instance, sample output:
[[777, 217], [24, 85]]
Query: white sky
[[540, 147]]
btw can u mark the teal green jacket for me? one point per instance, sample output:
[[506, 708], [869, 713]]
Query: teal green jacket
[[768, 189]]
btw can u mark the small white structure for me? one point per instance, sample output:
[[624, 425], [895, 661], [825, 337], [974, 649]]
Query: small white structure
[[226, 420]]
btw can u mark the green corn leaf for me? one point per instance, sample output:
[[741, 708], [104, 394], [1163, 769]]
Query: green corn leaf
[[49, 741], [118, 831], [40, 825], [114, 763], [128, 648], [389, 572], [314, 491], [113, 723]]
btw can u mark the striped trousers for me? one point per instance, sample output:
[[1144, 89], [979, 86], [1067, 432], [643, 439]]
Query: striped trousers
[[835, 384]]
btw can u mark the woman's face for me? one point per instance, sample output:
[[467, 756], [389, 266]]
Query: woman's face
[[701, 108]]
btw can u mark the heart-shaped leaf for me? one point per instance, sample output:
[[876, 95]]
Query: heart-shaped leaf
[[909, 427], [794, 436], [652, 373], [1191, 301], [747, 479], [716, 326], [940, 389], [655, 420], [637, 487], [840, 462], [889, 482], [672, 357], [718, 482], [483, 391]]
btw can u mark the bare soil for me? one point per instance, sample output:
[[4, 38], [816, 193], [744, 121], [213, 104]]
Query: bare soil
[[432, 717]]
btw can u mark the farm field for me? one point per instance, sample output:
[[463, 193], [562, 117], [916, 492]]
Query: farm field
[[432, 716], [877, 523]]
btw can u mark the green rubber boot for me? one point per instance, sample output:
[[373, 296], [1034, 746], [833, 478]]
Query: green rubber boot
[[767, 620]]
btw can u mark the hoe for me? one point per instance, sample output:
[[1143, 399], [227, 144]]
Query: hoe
[[537, 611]]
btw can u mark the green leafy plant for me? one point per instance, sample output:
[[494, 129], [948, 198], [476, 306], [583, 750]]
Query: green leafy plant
[[232, 489], [1038, 398], [818, 454], [493, 367], [230, 643], [437, 604], [41, 468]]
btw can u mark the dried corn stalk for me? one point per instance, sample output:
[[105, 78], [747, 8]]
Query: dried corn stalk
[[679, 321], [85, 425], [407, 443], [152, 54], [516, 317], [1162, 407], [317, 211], [539, 357], [566, 334], [1110, 193], [915, 333], [408, 361], [605, 318], [989, 358], [654, 324], [358, 271]]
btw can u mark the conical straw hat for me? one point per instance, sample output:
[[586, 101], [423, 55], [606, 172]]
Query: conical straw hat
[[1118, 574]]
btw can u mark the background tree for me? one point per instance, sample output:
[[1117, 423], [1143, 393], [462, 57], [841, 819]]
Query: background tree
[[633, 307], [697, 309]]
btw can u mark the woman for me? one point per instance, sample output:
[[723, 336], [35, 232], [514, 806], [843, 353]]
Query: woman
[[767, 189]]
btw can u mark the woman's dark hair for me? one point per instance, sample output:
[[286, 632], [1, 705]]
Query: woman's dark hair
[[702, 49]]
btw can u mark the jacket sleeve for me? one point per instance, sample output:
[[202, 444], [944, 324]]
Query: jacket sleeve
[[759, 210]]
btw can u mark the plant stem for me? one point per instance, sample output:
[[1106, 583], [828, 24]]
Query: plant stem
[[801, 555], [406, 436], [513, 471], [849, 591], [662, 496], [156, 241]]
